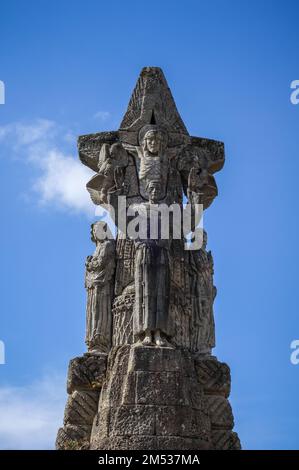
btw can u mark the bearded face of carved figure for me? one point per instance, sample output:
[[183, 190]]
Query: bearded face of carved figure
[[153, 141]]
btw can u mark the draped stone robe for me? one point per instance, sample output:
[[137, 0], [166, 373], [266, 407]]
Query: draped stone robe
[[152, 282], [99, 274]]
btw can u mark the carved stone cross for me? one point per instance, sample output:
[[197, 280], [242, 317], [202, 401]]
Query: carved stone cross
[[151, 104], [149, 380]]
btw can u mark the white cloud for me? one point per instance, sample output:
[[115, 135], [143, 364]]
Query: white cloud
[[26, 134], [102, 115], [40, 130], [61, 176], [31, 415], [62, 180]]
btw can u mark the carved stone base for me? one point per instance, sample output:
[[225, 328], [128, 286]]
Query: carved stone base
[[151, 399]]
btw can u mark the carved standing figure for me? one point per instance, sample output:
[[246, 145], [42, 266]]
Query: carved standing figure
[[152, 271], [99, 284], [203, 293]]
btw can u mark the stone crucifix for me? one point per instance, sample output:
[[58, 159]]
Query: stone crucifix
[[149, 380], [151, 160]]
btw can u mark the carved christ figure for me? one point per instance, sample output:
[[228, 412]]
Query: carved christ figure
[[152, 272], [153, 161], [99, 284]]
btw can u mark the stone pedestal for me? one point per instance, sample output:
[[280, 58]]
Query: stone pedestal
[[150, 399]]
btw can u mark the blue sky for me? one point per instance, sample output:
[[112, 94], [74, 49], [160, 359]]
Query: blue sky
[[69, 68]]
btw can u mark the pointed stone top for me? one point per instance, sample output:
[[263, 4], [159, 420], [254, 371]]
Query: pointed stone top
[[152, 103]]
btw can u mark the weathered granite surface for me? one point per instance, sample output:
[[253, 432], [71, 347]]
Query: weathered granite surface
[[149, 380], [152, 395], [150, 398], [86, 375]]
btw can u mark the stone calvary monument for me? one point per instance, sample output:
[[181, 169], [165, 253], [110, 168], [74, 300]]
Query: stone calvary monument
[[149, 380]]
